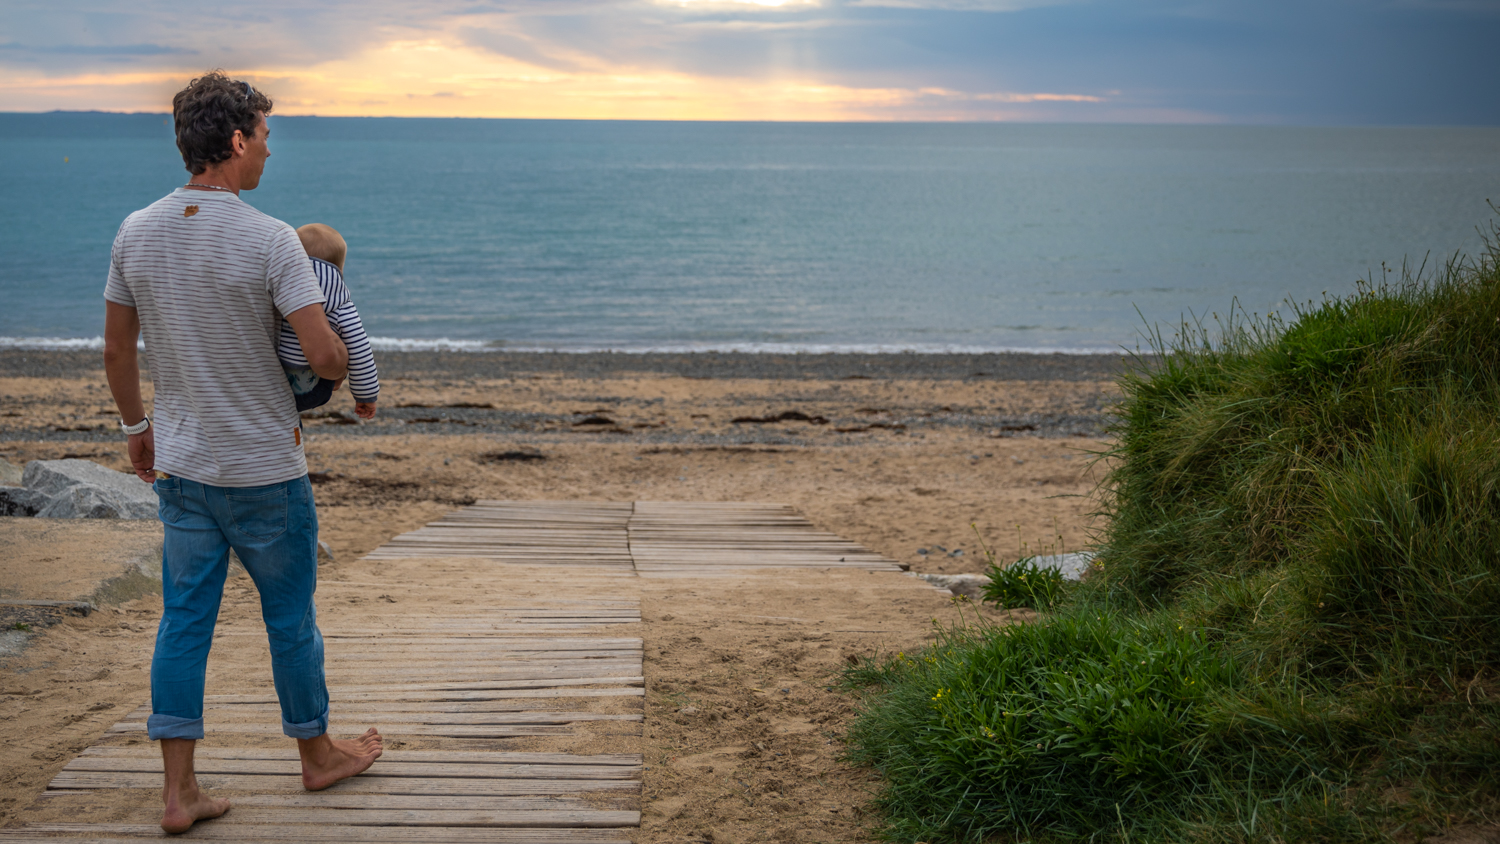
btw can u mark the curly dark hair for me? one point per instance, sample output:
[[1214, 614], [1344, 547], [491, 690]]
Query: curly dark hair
[[207, 113]]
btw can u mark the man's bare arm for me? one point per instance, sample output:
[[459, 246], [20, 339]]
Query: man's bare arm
[[122, 327], [323, 349]]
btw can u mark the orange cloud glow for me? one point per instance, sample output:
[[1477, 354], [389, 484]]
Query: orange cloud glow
[[437, 77]]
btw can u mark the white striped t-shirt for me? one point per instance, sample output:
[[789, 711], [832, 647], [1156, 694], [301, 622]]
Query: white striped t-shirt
[[210, 278]]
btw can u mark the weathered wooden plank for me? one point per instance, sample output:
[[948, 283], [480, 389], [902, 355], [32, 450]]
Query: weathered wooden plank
[[503, 665], [440, 654], [486, 685], [497, 629], [405, 730], [284, 754], [382, 768], [292, 783], [345, 696], [344, 834], [408, 802], [429, 719], [537, 669], [581, 669], [345, 707], [256, 816]]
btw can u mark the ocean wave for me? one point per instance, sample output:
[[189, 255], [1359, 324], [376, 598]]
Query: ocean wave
[[444, 344], [53, 343], [814, 349]]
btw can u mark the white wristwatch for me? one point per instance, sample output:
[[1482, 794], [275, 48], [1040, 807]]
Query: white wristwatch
[[138, 428]]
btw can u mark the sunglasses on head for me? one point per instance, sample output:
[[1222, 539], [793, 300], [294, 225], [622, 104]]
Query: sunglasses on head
[[249, 92]]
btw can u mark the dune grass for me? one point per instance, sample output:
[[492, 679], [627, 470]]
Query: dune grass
[[1294, 632]]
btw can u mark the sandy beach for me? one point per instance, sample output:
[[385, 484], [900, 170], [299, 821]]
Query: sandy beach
[[909, 455]]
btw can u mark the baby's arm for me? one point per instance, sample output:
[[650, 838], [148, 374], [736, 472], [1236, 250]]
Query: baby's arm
[[364, 379], [289, 348]]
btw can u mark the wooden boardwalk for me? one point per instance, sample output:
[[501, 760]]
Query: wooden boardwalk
[[460, 684], [651, 538]]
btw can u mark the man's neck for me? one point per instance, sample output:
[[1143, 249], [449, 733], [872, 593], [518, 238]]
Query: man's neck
[[218, 177]]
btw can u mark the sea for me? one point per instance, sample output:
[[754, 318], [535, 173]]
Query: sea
[[681, 236]]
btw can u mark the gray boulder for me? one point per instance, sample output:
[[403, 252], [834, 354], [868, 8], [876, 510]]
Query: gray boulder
[[1073, 565], [18, 501], [81, 489]]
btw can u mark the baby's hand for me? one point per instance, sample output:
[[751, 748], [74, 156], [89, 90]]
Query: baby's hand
[[365, 409]]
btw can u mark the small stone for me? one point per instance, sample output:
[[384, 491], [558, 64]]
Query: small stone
[[923, 551], [324, 552], [956, 552], [688, 710], [10, 474]]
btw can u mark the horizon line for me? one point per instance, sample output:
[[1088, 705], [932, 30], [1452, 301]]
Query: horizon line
[[862, 121]]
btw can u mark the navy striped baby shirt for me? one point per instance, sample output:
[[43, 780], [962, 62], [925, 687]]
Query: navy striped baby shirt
[[364, 380]]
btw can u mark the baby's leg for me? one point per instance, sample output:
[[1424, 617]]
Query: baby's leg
[[309, 390], [318, 396]]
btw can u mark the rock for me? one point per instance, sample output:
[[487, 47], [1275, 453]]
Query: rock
[[325, 554], [81, 489], [970, 586], [17, 501], [1071, 565], [10, 474]]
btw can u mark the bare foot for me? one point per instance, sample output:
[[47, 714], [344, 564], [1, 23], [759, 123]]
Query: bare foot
[[183, 810], [326, 761]]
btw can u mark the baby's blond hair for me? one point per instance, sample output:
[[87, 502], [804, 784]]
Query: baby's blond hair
[[325, 243]]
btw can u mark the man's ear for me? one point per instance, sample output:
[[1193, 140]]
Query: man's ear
[[237, 143]]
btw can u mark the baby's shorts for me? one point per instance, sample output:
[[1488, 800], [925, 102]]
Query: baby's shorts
[[309, 390]]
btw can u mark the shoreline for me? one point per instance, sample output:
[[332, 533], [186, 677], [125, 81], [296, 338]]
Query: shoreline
[[831, 366]]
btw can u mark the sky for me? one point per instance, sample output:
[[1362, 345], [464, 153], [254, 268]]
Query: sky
[[1301, 62]]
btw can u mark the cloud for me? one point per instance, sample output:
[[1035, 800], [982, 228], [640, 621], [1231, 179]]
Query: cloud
[[736, 4], [1320, 61], [959, 5], [102, 50], [516, 47]]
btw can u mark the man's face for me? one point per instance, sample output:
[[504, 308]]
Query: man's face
[[253, 159]]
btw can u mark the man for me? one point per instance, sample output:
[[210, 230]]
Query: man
[[204, 279]]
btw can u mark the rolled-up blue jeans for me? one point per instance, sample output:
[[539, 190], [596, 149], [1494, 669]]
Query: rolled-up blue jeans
[[274, 530]]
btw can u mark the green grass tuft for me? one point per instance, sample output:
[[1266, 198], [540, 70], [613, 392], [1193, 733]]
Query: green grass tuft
[[1294, 631], [1023, 584]]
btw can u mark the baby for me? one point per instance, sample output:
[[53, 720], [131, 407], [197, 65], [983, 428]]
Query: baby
[[327, 250]]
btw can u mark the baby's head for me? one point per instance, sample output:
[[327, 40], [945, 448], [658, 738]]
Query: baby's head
[[325, 243]]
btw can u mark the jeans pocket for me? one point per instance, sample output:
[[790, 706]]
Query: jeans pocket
[[260, 515], [169, 498]]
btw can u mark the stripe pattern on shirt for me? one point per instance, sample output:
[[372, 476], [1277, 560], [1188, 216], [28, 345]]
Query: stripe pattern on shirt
[[209, 277]]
